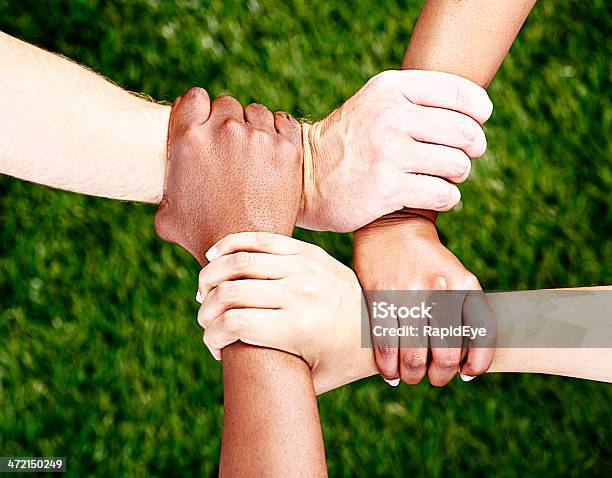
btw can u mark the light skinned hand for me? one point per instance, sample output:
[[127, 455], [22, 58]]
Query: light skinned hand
[[404, 140], [274, 291], [400, 253]]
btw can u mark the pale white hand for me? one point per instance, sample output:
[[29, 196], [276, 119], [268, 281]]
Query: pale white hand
[[404, 140], [274, 291]]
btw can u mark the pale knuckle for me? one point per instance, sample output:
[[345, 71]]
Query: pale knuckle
[[470, 282], [263, 239], [382, 79], [463, 167], [309, 290], [470, 133], [442, 197], [232, 321], [242, 260], [227, 292], [202, 318], [203, 279]]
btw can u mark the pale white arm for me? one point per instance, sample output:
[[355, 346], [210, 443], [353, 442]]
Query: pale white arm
[[66, 127]]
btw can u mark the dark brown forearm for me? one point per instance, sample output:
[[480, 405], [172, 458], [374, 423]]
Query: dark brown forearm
[[271, 424]]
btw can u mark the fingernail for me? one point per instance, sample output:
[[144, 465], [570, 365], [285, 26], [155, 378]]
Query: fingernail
[[466, 378], [394, 383], [199, 297], [211, 253]]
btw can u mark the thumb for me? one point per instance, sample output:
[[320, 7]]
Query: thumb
[[192, 107]]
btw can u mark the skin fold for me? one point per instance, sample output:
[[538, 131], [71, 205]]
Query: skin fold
[[402, 251], [294, 296]]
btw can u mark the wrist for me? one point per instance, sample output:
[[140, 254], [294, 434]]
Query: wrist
[[405, 221], [308, 207], [160, 118]]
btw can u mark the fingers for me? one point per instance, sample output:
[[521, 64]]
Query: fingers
[[259, 116], [386, 356], [477, 313], [413, 351], [385, 345], [261, 327], [443, 90], [449, 128], [256, 242], [445, 352], [243, 265], [192, 107], [249, 293], [442, 161], [428, 192], [226, 107], [289, 128]]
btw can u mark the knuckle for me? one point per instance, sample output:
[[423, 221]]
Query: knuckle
[[383, 79], [470, 133], [309, 290], [202, 318], [437, 282], [233, 125], [232, 321], [263, 239], [242, 260], [203, 280], [227, 293], [413, 362], [462, 168], [470, 282], [460, 96], [442, 197], [212, 341]]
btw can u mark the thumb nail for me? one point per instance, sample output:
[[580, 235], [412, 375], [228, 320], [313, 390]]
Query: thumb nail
[[466, 378], [199, 297], [394, 383]]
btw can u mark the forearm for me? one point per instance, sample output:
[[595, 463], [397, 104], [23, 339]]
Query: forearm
[[271, 423], [468, 38], [66, 127]]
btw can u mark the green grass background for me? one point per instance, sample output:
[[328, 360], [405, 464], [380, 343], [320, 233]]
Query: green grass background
[[101, 357]]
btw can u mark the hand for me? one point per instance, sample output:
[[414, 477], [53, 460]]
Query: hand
[[394, 144], [228, 170], [396, 253], [274, 291]]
